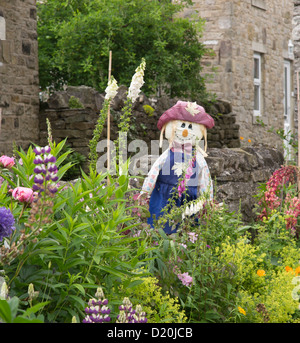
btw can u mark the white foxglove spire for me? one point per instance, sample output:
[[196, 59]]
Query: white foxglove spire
[[111, 89], [193, 208], [137, 81]]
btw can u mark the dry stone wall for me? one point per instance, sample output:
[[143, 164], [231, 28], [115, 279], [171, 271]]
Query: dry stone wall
[[19, 83], [237, 171], [78, 124]]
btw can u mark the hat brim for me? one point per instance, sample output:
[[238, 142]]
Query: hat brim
[[184, 111]]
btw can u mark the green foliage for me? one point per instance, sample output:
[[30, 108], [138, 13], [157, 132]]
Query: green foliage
[[75, 38], [160, 308], [76, 162], [79, 248], [94, 234], [265, 298], [148, 110], [211, 296], [93, 156], [75, 103], [10, 312]]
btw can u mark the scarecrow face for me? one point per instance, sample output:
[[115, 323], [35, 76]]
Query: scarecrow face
[[184, 131]]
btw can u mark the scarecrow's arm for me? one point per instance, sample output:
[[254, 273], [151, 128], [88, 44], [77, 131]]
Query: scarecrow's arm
[[204, 179], [150, 180]]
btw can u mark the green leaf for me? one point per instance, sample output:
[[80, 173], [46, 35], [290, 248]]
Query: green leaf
[[78, 300], [112, 271], [35, 308], [5, 311], [122, 179], [80, 288], [14, 304], [21, 319]]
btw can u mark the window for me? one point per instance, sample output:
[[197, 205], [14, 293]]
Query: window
[[257, 84], [2, 28], [287, 107]]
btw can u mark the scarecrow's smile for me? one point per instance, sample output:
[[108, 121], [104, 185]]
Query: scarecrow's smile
[[180, 136]]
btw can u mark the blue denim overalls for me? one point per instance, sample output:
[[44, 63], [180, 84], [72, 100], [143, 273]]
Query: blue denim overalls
[[167, 184]]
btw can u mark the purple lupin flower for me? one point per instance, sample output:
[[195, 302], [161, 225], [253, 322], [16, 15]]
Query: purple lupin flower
[[7, 223], [97, 311], [139, 316], [45, 170], [129, 315]]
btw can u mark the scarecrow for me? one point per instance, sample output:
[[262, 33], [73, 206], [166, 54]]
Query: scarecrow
[[184, 126]]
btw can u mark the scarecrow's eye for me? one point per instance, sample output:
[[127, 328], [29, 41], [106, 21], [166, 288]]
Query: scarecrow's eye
[[183, 125], [190, 126]]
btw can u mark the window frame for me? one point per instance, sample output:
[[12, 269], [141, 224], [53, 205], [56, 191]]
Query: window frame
[[257, 82], [2, 28], [287, 103]]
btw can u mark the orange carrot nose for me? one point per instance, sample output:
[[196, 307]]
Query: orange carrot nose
[[185, 133]]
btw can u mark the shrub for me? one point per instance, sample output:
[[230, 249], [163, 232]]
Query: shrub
[[68, 243], [160, 307]]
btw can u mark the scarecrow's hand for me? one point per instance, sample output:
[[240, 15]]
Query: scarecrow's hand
[[142, 198]]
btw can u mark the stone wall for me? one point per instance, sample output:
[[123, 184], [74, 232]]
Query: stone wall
[[234, 30], [19, 84], [238, 172], [78, 124], [236, 175]]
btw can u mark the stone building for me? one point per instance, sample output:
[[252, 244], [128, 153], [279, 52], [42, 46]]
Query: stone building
[[296, 42], [253, 62], [243, 34], [19, 83]]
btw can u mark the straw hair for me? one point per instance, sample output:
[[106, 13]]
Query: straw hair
[[174, 126], [162, 135], [204, 133]]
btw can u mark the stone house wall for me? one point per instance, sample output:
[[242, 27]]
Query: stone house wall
[[19, 83], [235, 30]]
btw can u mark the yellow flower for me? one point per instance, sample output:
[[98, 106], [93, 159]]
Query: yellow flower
[[241, 310], [261, 272], [249, 140], [241, 138], [288, 269]]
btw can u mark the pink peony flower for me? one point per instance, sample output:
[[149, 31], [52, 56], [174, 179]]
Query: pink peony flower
[[23, 194], [6, 162]]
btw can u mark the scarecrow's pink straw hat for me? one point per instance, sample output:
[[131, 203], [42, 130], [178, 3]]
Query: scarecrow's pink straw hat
[[186, 111]]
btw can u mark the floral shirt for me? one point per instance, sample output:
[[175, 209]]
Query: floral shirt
[[204, 178]]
